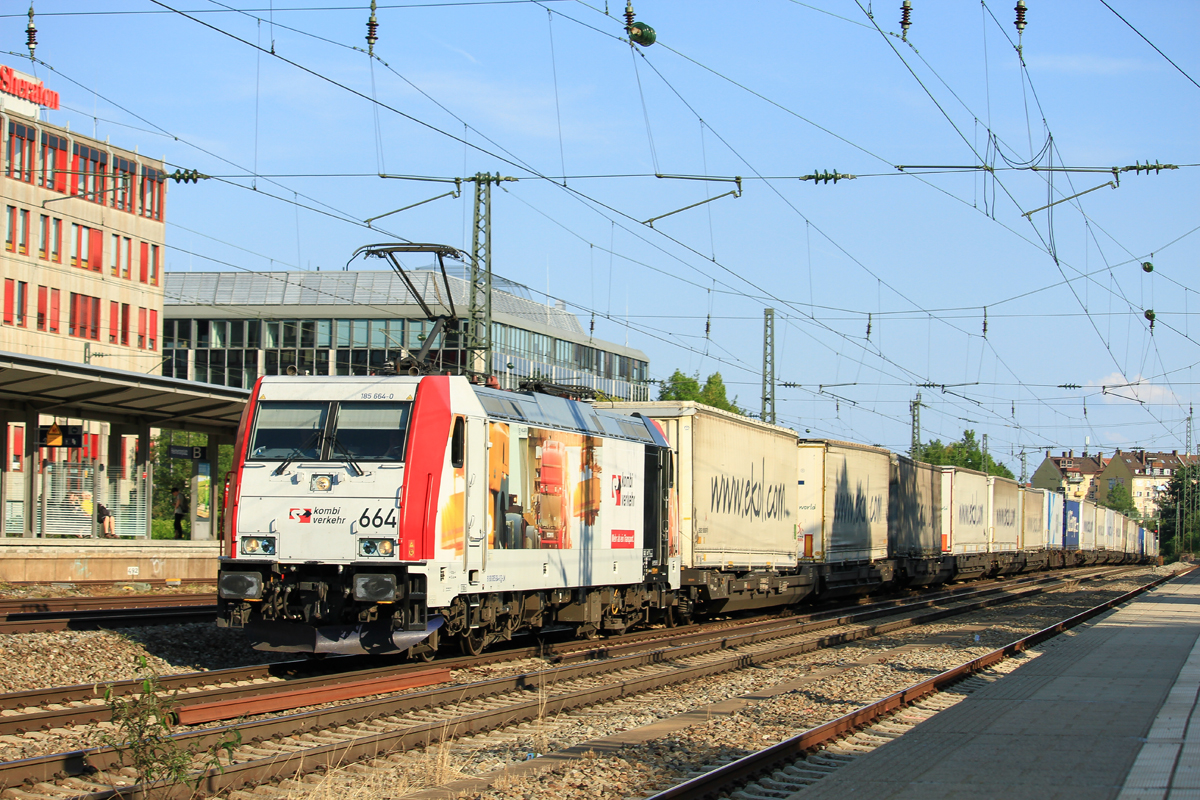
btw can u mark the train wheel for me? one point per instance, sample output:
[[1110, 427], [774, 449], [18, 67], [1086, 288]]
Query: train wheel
[[669, 617], [472, 642], [429, 650]]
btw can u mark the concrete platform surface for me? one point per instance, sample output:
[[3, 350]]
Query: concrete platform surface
[[1104, 714]]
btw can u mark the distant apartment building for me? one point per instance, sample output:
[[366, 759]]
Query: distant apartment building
[[229, 328], [1145, 474], [1073, 476]]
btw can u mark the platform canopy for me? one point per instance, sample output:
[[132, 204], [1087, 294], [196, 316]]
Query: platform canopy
[[87, 391]]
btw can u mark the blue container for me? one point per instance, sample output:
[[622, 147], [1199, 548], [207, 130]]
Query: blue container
[[1071, 525]]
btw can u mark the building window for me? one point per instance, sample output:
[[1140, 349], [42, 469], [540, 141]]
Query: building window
[[125, 183], [52, 316], [125, 324], [10, 291], [114, 320], [154, 265], [153, 329], [91, 166], [23, 231], [84, 322], [43, 299], [56, 240], [143, 261], [20, 151], [151, 194], [10, 228], [22, 302], [141, 339], [54, 162]]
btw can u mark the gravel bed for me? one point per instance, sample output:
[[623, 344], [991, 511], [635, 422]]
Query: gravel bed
[[642, 769], [37, 660]]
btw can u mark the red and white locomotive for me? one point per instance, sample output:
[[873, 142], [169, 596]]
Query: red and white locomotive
[[385, 513]]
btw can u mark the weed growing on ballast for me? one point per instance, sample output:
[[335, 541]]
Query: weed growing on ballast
[[141, 734]]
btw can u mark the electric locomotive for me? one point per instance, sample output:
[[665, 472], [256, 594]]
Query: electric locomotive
[[391, 513]]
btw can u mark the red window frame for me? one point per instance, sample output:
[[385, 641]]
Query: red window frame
[[114, 318], [52, 319], [22, 304], [153, 329], [42, 307], [20, 151], [95, 250], [10, 228], [125, 324], [91, 174], [54, 162], [10, 288], [141, 340], [144, 262]]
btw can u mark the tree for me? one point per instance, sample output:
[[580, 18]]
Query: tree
[[171, 472], [964, 453], [712, 393], [1179, 512], [1119, 499]]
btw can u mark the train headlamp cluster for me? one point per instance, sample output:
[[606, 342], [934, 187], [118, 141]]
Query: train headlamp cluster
[[258, 545], [377, 548], [240, 585], [320, 483], [375, 588]]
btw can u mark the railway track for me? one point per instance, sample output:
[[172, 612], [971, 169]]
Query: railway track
[[278, 748], [90, 613], [787, 767], [66, 706]]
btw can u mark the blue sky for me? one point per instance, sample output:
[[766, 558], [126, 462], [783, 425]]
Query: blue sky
[[769, 91]]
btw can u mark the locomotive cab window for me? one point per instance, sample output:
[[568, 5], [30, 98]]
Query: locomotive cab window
[[458, 445], [371, 431], [285, 430]]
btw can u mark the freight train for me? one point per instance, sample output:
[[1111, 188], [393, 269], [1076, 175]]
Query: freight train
[[407, 513]]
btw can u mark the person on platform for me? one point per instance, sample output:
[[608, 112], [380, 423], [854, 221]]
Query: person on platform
[[104, 519], [180, 503]]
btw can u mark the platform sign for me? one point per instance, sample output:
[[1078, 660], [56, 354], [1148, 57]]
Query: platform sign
[[60, 435], [188, 452]]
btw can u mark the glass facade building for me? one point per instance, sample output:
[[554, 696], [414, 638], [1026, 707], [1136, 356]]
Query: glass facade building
[[229, 328]]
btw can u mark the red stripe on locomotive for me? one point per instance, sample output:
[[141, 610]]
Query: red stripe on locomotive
[[429, 433]]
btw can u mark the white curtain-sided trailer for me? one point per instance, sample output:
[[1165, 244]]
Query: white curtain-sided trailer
[[737, 512], [1004, 502], [913, 500], [843, 490], [1034, 507]]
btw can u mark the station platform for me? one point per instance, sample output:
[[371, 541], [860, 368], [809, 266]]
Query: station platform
[[70, 560], [1102, 715]]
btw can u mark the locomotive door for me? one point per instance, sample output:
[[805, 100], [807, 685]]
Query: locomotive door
[[477, 495]]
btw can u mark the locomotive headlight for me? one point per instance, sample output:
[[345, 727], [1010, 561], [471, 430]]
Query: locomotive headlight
[[376, 548], [375, 588], [321, 483], [259, 544], [240, 585]]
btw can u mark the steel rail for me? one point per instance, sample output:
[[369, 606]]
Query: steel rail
[[83, 762], [95, 619], [13, 608], [723, 779]]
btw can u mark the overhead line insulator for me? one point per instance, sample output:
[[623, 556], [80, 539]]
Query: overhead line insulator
[[905, 19], [826, 177]]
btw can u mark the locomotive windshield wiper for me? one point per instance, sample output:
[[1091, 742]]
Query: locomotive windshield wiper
[[358, 471], [299, 451]]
